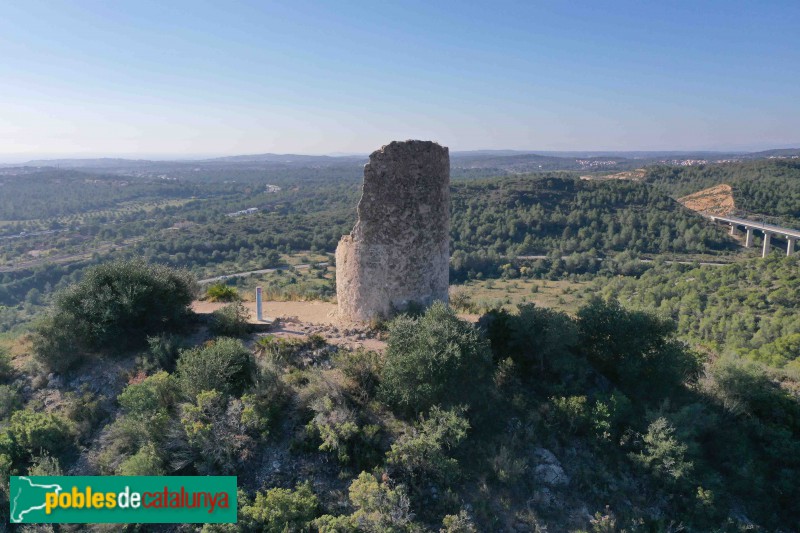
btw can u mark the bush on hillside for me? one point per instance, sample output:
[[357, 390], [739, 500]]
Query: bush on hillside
[[145, 462], [10, 400], [636, 350], [423, 454], [6, 370], [164, 350], [231, 320], [220, 292], [435, 359], [29, 432], [363, 367], [114, 307], [281, 510], [535, 337], [154, 394], [225, 365], [216, 437]]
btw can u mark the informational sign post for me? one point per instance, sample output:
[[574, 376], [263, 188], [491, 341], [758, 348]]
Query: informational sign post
[[258, 304]]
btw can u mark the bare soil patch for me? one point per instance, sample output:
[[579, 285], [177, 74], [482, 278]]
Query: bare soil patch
[[300, 319], [717, 200]]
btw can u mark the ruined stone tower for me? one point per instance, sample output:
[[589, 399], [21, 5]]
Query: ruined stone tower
[[399, 250]]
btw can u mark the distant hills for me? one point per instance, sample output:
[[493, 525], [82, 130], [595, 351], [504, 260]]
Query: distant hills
[[475, 163]]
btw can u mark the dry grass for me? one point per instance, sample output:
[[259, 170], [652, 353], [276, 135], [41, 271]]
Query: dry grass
[[562, 295]]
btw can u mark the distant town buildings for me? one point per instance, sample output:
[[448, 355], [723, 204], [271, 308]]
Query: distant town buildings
[[595, 163], [243, 212]]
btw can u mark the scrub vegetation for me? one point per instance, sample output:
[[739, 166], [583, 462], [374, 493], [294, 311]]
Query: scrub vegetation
[[589, 390]]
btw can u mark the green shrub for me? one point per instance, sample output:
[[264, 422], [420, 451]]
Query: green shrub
[[55, 343], [164, 350], [156, 393], [279, 350], [10, 400], [146, 420], [30, 432], [282, 510], [534, 338], [335, 524], [216, 436], [460, 523], [224, 365], [84, 409], [231, 320], [263, 403], [508, 467], [125, 436], [422, 454], [339, 431], [220, 292], [662, 454], [435, 359], [461, 301], [636, 350], [45, 465], [114, 307], [145, 462], [380, 507], [363, 367], [744, 388], [571, 413], [6, 370]]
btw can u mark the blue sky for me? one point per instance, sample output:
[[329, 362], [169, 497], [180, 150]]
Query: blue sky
[[193, 77]]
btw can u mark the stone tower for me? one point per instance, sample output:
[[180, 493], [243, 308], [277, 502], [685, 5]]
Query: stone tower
[[399, 250]]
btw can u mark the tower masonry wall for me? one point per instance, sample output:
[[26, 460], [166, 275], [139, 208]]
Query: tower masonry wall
[[398, 253]]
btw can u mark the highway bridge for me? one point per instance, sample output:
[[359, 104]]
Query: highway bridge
[[769, 231]]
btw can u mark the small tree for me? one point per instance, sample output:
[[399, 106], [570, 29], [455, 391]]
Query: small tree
[[636, 350], [115, 306], [216, 436], [663, 454], [282, 510], [220, 292], [225, 365], [435, 359], [230, 320], [422, 454]]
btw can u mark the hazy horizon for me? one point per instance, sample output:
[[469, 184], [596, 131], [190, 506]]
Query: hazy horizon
[[187, 79], [24, 158]]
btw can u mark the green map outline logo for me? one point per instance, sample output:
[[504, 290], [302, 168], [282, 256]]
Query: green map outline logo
[[18, 518]]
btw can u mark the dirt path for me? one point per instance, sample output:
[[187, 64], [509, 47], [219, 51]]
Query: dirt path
[[299, 319]]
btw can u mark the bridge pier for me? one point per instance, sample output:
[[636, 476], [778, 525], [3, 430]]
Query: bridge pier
[[733, 229], [748, 240], [765, 251], [789, 246]]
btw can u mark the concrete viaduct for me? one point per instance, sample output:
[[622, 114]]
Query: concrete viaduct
[[751, 225]]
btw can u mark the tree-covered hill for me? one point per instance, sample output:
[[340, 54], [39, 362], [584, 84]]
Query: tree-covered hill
[[751, 307], [767, 187], [555, 214], [492, 220]]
